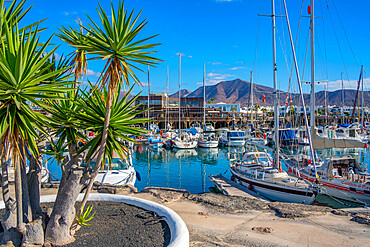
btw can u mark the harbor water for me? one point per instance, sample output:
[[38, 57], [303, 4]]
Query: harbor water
[[189, 169]]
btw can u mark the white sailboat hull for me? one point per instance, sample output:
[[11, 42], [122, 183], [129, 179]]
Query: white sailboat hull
[[342, 189], [117, 177], [184, 145], [274, 191], [208, 144]]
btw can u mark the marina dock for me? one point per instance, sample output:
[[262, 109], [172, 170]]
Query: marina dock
[[230, 188]]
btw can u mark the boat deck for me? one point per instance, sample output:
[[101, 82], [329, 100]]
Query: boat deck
[[299, 184], [230, 188]]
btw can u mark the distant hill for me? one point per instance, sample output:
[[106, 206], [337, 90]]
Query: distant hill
[[238, 91], [184, 93]]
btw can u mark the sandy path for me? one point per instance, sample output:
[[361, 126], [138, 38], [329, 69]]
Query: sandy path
[[217, 228]]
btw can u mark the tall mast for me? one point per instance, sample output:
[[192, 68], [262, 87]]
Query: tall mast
[[312, 108], [342, 99], [148, 99], [179, 91], [276, 109], [313, 159], [204, 96], [252, 98], [166, 105], [362, 100], [326, 104]]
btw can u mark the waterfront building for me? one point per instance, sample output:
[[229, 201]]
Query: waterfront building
[[220, 115]]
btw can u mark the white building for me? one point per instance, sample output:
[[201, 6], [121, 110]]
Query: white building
[[225, 107]]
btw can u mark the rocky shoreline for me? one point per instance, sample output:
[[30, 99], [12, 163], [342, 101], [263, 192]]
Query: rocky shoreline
[[218, 220]]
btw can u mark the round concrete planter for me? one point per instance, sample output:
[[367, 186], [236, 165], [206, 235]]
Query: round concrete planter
[[178, 229]]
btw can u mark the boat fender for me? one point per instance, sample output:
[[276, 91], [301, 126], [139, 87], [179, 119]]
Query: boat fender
[[233, 178], [250, 187], [138, 176]]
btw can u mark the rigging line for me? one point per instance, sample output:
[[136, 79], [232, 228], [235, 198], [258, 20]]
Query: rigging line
[[257, 35], [319, 48], [296, 39], [284, 43], [285, 57], [336, 37], [344, 30], [305, 57], [326, 57]]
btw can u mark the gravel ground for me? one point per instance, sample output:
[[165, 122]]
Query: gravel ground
[[119, 224]]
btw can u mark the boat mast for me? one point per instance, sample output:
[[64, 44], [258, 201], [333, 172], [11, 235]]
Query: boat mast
[[312, 108], [166, 113], [252, 98], [326, 104], [204, 96], [276, 109], [342, 99], [179, 92], [309, 133], [148, 99], [362, 101]]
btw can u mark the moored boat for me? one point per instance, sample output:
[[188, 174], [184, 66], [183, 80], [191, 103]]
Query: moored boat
[[208, 139], [257, 172]]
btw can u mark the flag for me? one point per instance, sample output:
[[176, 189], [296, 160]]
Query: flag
[[264, 98], [287, 103]]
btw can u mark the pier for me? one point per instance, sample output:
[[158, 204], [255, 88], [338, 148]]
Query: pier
[[230, 188]]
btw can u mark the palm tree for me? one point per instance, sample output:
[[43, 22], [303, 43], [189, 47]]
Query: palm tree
[[24, 79], [115, 42], [213, 100], [78, 57]]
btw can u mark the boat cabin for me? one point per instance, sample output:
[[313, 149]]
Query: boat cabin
[[257, 158], [342, 167]]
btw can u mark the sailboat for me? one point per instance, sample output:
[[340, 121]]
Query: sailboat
[[339, 177], [182, 140], [208, 138], [154, 140], [254, 137], [262, 174]]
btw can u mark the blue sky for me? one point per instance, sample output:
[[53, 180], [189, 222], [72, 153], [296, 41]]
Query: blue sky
[[230, 37]]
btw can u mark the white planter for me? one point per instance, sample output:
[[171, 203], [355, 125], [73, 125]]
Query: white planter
[[178, 229]]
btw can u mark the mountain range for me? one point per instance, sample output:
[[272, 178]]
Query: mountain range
[[238, 91]]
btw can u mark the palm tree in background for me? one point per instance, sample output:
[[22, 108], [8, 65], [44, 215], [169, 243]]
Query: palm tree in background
[[116, 42]]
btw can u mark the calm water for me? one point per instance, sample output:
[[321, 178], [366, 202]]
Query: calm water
[[189, 169]]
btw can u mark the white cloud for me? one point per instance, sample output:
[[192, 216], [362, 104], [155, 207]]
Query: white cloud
[[190, 56], [182, 54], [351, 84], [214, 78], [69, 13], [216, 63], [236, 68], [93, 73]]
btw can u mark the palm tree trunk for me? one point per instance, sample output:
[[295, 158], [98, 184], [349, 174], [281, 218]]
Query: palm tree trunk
[[18, 195], [9, 202], [58, 230], [34, 183], [100, 156], [114, 80]]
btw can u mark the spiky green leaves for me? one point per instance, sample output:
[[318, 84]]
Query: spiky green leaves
[[122, 119], [116, 40], [25, 77]]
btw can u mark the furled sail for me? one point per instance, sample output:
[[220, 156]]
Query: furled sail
[[319, 142]]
